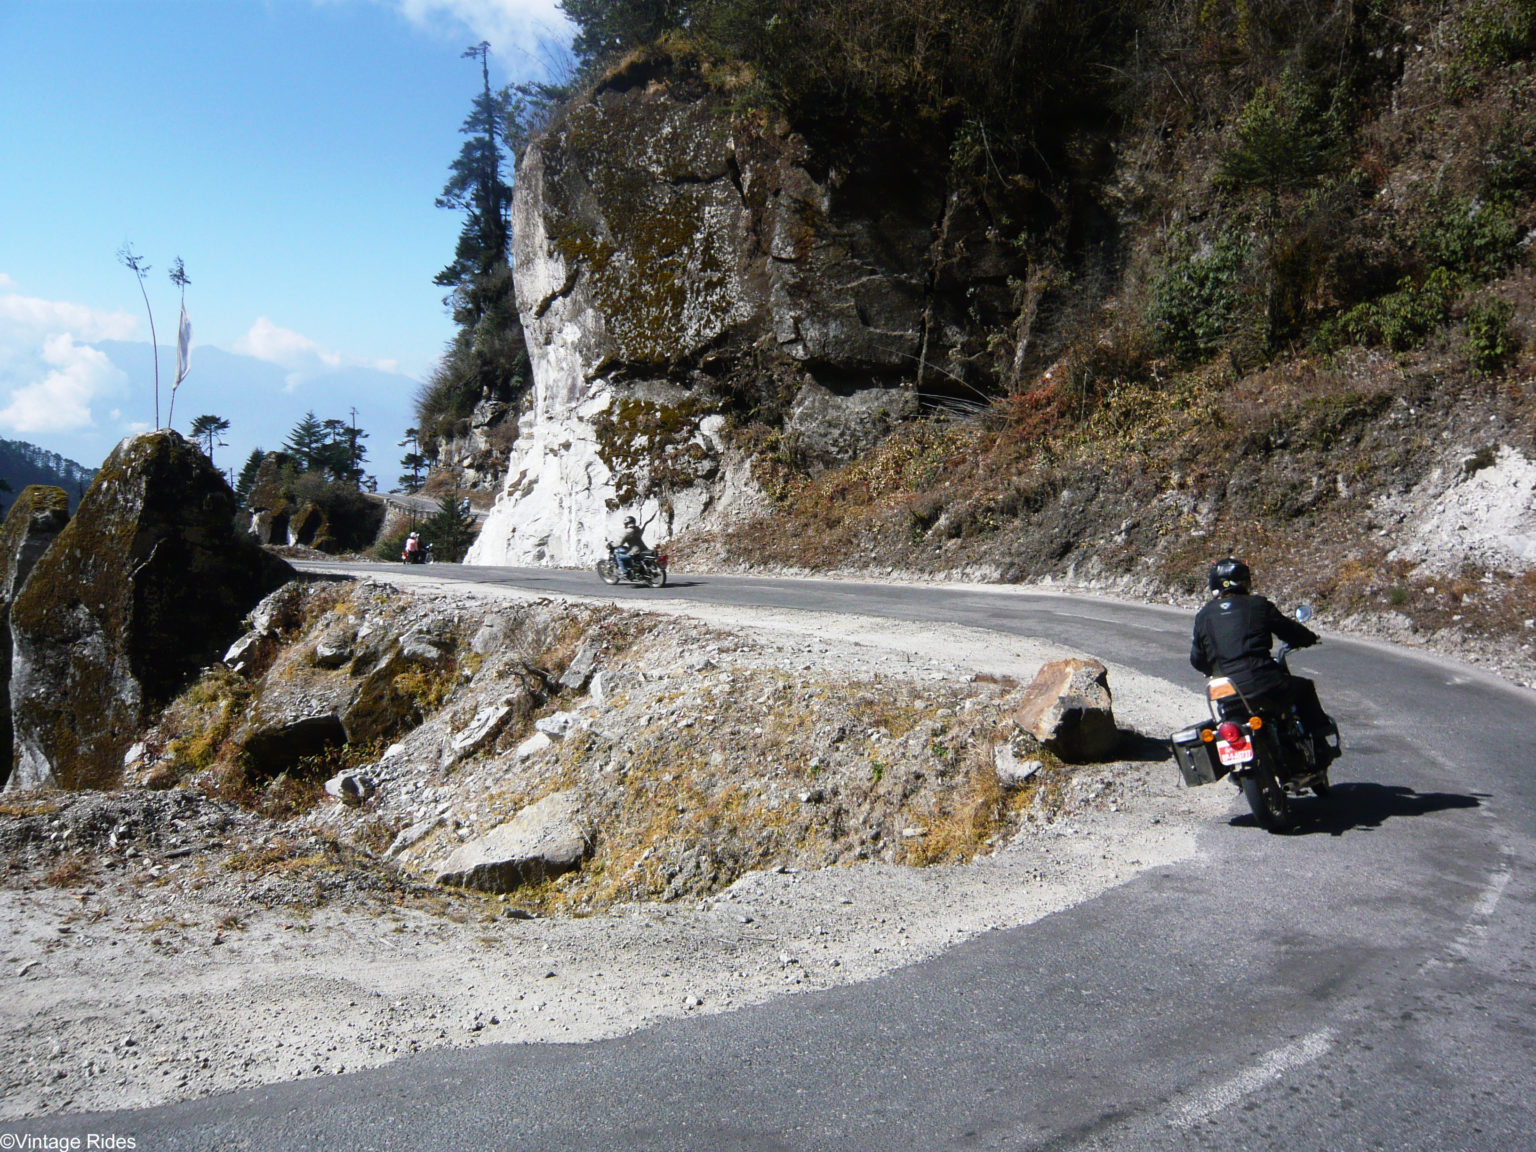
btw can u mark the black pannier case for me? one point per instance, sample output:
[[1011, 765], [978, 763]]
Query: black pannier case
[[1197, 759]]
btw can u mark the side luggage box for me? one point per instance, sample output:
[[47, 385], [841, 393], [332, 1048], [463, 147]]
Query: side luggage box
[[1196, 758]]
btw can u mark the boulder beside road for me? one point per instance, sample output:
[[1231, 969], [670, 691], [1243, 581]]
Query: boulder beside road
[[543, 840], [1068, 708], [141, 590]]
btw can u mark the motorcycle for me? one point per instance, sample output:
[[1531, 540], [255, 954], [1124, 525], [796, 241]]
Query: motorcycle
[[422, 555], [1265, 750], [645, 568]]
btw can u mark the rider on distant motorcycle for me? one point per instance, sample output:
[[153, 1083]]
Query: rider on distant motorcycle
[[632, 543], [1233, 633]]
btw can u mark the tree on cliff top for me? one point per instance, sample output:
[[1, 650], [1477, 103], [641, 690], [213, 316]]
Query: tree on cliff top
[[480, 273], [605, 28], [487, 357]]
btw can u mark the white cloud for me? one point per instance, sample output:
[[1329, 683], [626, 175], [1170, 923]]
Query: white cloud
[[36, 316], [302, 357], [61, 400], [266, 341], [47, 369], [527, 36]]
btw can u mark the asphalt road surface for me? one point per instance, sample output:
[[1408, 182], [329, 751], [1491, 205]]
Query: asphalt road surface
[[1365, 983]]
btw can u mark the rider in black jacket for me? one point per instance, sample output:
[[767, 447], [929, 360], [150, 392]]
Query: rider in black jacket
[[1233, 634]]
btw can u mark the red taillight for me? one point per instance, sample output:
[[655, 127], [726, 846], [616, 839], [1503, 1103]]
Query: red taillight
[[1229, 732], [662, 559]]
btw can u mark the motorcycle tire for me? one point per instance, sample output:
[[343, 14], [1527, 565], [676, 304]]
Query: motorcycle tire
[[1270, 805], [657, 576], [609, 571]]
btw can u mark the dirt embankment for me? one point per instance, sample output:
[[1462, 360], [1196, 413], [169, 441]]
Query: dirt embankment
[[779, 803]]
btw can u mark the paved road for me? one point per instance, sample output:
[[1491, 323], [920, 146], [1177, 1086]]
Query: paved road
[[1363, 984]]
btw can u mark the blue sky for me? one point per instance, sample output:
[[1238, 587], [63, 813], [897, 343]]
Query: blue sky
[[289, 151]]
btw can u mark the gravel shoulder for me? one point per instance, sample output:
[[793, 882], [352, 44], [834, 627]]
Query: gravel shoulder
[[141, 990]]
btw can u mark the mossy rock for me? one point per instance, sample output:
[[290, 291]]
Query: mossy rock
[[309, 526], [147, 585], [32, 524]]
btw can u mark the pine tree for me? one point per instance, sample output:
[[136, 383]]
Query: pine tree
[[487, 357], [306, 443], [451, 529], [413, 460], [247, 479], [480, 275], [206, 430]]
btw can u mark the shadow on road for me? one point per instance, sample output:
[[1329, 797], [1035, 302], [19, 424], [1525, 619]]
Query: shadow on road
[[1355, 807], [1136, 746]]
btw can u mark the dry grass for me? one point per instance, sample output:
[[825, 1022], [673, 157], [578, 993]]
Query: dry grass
[[38, 806], [71, 872], [282, 857]]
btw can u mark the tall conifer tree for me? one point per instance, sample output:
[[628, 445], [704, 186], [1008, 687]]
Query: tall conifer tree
[[487, 358]]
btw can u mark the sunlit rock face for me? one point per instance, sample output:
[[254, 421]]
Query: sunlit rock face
[[673, 261], [34, 521], [145, 587]]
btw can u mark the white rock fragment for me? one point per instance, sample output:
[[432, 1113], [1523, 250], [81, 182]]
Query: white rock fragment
[[1011, 771], [559, 725], [532, 746], [484, 728], [411, 836], [242, 653]]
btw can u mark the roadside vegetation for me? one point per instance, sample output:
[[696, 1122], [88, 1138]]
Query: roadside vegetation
[[1272, 270]]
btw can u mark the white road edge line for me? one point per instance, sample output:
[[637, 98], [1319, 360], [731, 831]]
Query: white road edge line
[[1195, 1108]]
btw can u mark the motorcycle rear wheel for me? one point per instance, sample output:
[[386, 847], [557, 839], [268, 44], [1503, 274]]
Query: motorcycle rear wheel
[[657, 576], [609, 571], [1271, 808]]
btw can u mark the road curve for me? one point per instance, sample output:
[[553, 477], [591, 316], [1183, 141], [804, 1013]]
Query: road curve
[[1365, 983]]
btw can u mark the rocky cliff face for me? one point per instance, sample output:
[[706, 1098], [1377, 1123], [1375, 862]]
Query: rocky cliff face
[[143, 588], [675, 264]]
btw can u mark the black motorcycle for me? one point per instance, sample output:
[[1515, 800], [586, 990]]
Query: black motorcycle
[[645, 568], [1263, 748]]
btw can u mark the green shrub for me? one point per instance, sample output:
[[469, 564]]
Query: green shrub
[[1490, 343], [1497, 32], [1400, 320], [1470, 238], [1197, 301]]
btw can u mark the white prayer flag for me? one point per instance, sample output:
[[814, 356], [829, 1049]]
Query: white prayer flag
[[183, 347]]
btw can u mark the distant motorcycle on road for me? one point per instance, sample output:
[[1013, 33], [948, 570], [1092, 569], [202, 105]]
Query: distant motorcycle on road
[[648, 569], [1263, 749]]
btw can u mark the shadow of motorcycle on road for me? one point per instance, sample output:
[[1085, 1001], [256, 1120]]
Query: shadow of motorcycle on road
[[1365, 806]]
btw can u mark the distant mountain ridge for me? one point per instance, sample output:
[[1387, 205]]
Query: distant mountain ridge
[[22, 463]]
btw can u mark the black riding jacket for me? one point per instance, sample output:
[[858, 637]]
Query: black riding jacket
[[1232, 638], [633, 540]]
